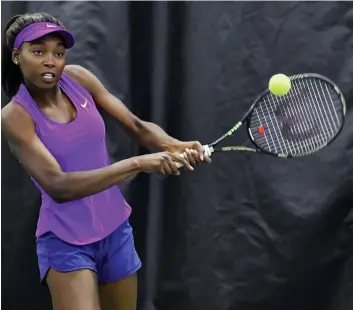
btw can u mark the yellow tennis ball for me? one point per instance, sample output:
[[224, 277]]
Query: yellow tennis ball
[[279, 84]]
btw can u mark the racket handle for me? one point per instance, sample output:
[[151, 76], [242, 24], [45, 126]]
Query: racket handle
[[207, 153]]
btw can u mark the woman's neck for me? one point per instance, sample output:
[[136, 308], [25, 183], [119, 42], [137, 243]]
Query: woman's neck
[[42, 96]]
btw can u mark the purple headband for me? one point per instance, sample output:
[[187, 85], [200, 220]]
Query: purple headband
[[40, 29]]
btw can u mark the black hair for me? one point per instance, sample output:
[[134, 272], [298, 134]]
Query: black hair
[[11, 76]]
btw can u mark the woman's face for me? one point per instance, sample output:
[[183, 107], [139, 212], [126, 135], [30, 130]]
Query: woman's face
[[42, 61]]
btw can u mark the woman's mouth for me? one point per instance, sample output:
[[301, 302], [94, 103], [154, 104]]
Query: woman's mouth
[[48, 77]]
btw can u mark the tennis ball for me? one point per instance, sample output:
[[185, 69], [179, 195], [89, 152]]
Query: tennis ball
[[279, 84]]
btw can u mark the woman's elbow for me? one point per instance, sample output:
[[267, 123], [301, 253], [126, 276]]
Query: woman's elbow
[[59, 191], [60, 195]]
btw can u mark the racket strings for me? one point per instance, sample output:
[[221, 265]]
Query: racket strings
[[300, 122]]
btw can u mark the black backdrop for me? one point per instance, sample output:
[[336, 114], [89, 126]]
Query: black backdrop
[[248, 232]]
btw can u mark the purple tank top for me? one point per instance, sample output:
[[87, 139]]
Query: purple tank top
[[77, 146]]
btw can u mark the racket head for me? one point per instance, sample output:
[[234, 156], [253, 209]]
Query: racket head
[[300, 123]]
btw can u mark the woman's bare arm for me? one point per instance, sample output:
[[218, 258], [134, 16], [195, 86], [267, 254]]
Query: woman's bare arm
[[19, 130]]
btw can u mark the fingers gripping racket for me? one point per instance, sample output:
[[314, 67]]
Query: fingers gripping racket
[[302, 122]]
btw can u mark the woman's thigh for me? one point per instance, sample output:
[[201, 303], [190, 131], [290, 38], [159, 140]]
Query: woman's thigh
[[75, 290], [70, 272], [117, 270], [119, 295]]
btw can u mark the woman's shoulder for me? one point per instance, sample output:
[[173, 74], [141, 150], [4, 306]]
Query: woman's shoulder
[[78, 73], [84, 77]]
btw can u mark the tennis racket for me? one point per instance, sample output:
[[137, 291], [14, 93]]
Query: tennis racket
[[302, 122]]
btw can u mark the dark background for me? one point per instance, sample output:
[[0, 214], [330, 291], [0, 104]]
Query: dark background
[[248, 232]]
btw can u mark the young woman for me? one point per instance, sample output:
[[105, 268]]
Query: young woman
[[85, 245]]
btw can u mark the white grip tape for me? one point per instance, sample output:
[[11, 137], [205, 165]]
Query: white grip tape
[[207, 153]]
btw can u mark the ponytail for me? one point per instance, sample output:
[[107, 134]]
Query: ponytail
[[11, 76]]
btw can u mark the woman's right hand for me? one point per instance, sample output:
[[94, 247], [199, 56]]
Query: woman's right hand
[[163, 163]]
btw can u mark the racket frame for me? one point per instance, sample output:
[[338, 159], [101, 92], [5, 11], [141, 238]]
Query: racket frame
[[211, 148]]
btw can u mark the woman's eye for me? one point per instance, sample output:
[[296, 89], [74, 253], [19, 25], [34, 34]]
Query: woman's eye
[[37, 53], [60, 54]]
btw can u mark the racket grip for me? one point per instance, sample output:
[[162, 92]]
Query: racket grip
[[207, 153]]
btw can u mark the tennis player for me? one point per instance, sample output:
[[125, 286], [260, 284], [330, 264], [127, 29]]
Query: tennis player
[[85, 244]]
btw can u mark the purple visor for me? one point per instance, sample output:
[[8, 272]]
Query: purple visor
[[40, 29]]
